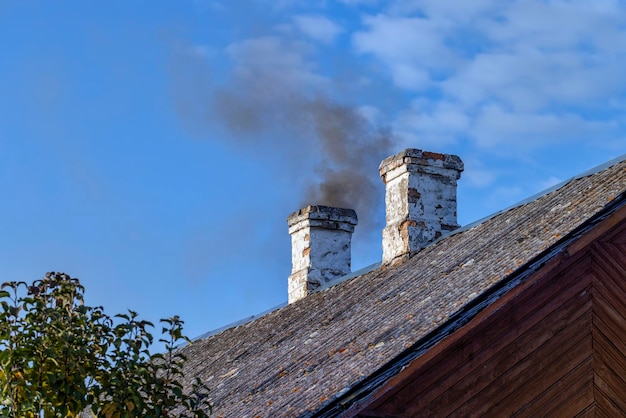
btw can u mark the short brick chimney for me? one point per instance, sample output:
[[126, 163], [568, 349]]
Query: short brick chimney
[[420, 200], [321, 238]]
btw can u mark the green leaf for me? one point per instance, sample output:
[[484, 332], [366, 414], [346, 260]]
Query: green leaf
[[59, 356]]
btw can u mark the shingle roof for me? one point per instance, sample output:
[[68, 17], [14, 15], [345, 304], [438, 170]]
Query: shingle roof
[[299, 358]]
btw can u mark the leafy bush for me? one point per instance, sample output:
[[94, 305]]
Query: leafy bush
[[60, 358]]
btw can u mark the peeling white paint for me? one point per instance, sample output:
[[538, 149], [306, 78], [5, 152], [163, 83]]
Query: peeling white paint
[[321, 238], [420, 200]]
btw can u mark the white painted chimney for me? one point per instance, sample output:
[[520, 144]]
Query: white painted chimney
[[321, 239], [420, 200]]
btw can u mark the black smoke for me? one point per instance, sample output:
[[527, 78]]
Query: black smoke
[[271, 101]]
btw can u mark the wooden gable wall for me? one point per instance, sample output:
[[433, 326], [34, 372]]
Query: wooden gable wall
[[553, 346]]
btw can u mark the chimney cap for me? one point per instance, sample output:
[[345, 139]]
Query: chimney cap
[[329, 217], [413, 158]]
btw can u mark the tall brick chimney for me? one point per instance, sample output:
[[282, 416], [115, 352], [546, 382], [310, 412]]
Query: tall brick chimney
[[420, 200], [321, 239]]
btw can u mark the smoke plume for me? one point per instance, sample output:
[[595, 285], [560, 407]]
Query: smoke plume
[[352, 149], [273, 101]]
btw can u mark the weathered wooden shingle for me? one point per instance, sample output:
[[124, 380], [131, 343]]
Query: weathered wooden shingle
[[297, 359]]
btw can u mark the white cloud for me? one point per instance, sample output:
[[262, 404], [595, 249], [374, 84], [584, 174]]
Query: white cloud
[[317, 27], [530, 62], [452, 10], [410, 77], [556, 25], [532, 79], [410, 47], [524, 74], [436, 126], [495, 127]]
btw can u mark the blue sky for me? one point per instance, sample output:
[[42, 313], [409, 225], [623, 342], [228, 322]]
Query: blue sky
[[154, 149]]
